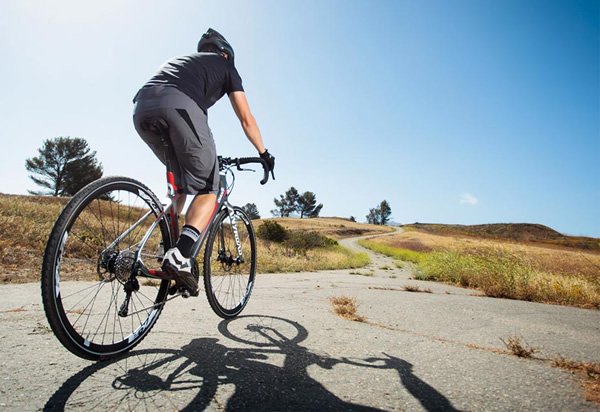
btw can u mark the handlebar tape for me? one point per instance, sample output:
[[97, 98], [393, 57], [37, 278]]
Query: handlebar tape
[[246, 160]]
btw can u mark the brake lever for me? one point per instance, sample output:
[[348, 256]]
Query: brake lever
[[244, 170]]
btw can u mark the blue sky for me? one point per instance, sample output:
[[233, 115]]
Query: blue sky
[[468, 112]]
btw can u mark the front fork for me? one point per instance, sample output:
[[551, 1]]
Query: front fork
[[236, 236], [224, 256]]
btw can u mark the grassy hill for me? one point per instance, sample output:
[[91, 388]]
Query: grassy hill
[[334, 227], [518, 232], [516, 261]]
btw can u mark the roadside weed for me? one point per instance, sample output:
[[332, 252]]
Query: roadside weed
[[411, 288], [346, 308], [519, 347]]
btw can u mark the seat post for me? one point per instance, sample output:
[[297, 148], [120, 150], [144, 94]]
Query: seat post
[[172, 189]]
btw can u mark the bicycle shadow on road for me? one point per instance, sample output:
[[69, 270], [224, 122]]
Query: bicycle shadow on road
[[264, 368]]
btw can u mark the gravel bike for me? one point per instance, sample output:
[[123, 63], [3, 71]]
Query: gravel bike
[[103, 288]]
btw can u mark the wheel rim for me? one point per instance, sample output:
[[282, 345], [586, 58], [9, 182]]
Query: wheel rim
[[90, 278]]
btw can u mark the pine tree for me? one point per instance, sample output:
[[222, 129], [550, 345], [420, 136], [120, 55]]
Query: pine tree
[[287, 203], [380, 215], [251, 210], [64, 165], [306, 205]]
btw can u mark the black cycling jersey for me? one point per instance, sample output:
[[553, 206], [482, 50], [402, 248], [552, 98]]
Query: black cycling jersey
[[204, 77]]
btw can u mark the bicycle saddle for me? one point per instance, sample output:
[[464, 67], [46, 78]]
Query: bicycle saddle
[[156, 125]]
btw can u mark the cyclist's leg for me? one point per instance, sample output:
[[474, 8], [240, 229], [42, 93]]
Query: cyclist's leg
[[192, 149], [195, 149], [195, 160], [200, 210]]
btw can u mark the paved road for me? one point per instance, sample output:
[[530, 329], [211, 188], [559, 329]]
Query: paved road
[[416, 351]]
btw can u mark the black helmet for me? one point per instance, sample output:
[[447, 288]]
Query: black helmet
[[212, 40]]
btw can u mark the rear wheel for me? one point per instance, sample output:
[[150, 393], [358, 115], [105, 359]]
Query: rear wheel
[[230, 263], [96, 305]]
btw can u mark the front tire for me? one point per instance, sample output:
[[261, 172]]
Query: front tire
[[230, 263], [84, 278]]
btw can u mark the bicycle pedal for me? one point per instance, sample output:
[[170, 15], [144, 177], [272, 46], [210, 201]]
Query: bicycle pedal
[[181, 291]]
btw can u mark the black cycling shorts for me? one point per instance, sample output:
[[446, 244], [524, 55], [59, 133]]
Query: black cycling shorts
[[193, 153]]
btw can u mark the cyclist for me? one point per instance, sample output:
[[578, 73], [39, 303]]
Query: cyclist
[[181, 92]]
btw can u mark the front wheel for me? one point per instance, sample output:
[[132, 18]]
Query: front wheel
[[230, 262]]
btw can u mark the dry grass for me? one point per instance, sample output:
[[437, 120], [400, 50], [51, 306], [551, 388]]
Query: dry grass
[[545, 258], [518, 346], [500, 268], [520, 232], [14, 310], [276, 258], [410, 288], [400, 254], [26, 223], [334, 227], [346, 308], [407, 288], [368, 274], [590, 371]]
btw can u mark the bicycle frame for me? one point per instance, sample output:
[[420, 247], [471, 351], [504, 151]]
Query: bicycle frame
[[170, 214]]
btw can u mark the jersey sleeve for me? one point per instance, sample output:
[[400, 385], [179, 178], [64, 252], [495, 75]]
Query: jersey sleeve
[[235, 81]]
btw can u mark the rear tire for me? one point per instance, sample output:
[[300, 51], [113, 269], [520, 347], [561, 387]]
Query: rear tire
[[83, 280], [229, 276]]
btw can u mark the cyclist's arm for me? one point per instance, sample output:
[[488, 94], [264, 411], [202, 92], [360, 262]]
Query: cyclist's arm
[[242, 110]]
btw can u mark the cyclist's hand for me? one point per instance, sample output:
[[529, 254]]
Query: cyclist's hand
[[270, 160]]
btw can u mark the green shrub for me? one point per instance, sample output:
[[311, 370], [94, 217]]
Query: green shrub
[[300, 242], [272, 231], [294, 242]]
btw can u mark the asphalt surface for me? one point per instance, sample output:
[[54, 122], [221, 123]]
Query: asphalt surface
[[289, 351]]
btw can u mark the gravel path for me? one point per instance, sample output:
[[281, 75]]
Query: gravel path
[[288, 351]]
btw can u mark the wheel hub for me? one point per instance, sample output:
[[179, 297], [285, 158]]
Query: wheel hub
[[117, 264], [227, 259]]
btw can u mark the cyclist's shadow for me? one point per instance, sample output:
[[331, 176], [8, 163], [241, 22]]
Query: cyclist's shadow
[[246, 377]]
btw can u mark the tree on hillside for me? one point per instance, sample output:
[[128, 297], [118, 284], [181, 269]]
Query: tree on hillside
[[380, 215], [64, 165], [251, 210], [306, 205], [292, 201], [286, 203]]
